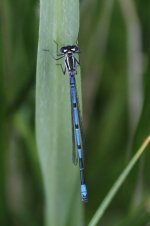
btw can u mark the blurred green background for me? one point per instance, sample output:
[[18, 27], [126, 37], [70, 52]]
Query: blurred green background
[[114, 39]]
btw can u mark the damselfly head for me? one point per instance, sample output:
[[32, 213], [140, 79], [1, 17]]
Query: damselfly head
[[70, 49]]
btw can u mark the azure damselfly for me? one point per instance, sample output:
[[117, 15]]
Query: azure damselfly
[[71, 63]]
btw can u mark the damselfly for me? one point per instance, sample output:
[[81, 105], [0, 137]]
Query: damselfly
[[71, 63]]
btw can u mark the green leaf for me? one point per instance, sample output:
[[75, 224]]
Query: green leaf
[[59, 21]]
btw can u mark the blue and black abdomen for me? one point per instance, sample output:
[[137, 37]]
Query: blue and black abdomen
[[78, 137]]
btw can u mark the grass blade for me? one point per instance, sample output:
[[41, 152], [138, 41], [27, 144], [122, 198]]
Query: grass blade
[[99, 213]]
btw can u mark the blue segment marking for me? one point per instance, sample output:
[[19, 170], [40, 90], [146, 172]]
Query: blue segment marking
[[84, 193], [78, 137], [75, 116], [80, 153]]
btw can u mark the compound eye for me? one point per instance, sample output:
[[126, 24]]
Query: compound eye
[[63, 50], [75, 48]]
